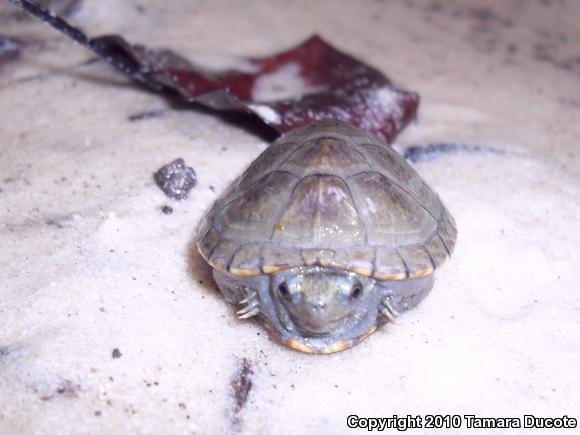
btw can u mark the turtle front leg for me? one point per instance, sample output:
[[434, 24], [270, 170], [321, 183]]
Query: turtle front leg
[[398, 296], [252, 305], [242, 292], [387, 310]]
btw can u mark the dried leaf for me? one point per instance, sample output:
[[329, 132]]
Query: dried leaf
[[313, 81]]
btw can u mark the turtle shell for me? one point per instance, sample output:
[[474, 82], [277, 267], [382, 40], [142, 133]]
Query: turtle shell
[[332, 195]]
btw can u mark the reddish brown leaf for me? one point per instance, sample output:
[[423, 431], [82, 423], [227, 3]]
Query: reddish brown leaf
[[313, 81]]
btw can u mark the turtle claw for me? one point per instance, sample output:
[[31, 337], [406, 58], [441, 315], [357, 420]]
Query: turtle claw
[[250, 313], [388, 311], [251, 305], [251, 309], [251, 295]]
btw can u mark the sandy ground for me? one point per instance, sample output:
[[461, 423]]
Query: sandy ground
[[110, 322]]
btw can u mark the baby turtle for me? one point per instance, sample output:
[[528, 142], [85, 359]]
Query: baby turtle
[[327, 235]]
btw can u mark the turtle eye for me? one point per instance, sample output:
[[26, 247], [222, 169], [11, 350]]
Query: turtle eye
[[283, 289], [356, 291]]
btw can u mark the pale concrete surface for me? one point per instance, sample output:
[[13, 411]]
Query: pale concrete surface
[[89, 264]]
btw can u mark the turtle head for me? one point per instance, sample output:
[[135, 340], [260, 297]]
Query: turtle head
[[321, 309], [319, 301]]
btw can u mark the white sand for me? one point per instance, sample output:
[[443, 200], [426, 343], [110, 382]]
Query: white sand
[[89, 264]]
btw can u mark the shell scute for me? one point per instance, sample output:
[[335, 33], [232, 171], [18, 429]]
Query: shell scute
[[418, 261], [391, 215], [320, 257], [253, 210], [358, 259], [448, 232], [277, 257], [207, 238], [389, 265], [437, 250], [320, 210], [247, 260], [222, 254], [326, 156], [330, 128], [394, 167], [265, 163]]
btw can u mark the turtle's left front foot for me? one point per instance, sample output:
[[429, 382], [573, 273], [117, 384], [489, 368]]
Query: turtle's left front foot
[[252, 306]]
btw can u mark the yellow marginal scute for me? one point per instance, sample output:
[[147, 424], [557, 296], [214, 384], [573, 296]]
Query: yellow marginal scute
[[421, 272], [390, 276], [332, 348], [245, 272], [274, 268]]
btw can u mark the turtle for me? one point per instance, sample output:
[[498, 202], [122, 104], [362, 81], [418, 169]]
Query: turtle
[[328, 235]]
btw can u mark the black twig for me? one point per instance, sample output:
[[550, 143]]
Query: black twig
[[117, 60]]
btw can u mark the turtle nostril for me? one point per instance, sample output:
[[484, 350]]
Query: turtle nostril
[[319, 306]]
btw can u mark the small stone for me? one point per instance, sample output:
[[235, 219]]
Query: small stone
[[175, 179], [116, 353], [166, 209]]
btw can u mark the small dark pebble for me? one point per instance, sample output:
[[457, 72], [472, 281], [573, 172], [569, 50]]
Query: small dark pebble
[[98, 413], [144, 116], [512, 48], [116, 353], [68, 389], [175, 179], [166, 209]]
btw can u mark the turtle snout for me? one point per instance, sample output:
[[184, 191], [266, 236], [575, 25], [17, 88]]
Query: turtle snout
[[316, 315], [319, 306], [319, 317]]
